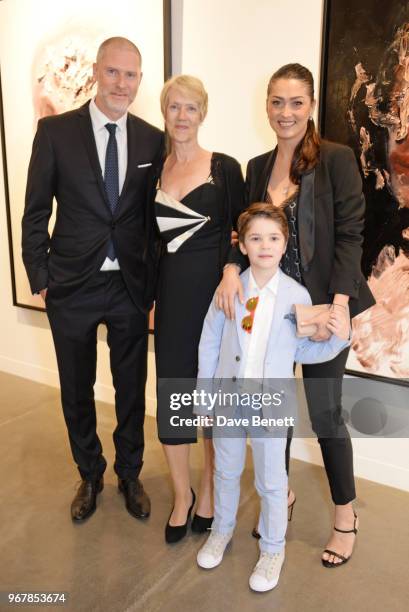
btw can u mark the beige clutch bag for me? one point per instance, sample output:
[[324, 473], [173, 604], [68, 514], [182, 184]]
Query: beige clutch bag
[[304, 313]]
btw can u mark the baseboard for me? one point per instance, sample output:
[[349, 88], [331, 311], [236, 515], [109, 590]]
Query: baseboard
[[31, 371], [368, 468], [303, 449]]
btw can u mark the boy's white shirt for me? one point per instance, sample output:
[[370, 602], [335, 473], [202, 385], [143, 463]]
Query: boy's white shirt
[[255, 346]]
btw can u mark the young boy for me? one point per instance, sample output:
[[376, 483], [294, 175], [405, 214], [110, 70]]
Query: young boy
[[260, 344]]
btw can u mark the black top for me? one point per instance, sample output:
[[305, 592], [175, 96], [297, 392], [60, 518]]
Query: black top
[[290, 262]]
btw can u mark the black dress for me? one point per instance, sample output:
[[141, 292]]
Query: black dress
[[196, 239]]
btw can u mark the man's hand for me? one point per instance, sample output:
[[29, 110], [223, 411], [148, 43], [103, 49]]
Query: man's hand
[[43, 293], [229, 287], [339, 323]]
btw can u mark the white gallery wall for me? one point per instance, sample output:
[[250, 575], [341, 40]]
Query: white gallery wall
[[234, 47]]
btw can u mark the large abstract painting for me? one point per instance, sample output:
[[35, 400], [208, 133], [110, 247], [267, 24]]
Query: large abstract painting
[[365, 104], [47, 49]]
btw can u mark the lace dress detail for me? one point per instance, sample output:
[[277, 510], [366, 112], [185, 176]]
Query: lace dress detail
[[290, 262]]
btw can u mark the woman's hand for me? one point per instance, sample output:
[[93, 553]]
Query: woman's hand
[[321, 320], [234, 239], [229, 287], [339, 322]]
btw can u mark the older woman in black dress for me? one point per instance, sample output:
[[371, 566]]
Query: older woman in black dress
[[199, 197], [318, 185]]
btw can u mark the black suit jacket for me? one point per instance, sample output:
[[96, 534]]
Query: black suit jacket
[[331, 210], [64, 164]]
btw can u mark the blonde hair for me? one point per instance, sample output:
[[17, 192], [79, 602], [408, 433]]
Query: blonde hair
[[189, 84]]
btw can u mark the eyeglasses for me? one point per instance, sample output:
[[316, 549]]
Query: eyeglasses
[[247, 321]]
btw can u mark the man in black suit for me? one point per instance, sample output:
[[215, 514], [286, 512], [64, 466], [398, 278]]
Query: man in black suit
[[96, 268]]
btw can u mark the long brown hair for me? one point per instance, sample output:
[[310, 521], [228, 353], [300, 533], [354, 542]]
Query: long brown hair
[[307, 152]]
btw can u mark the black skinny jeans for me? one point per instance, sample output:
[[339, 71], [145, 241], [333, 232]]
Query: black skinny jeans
[[325, 410]]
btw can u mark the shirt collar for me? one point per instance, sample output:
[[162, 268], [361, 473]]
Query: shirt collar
[[271, 286], [99, 120]]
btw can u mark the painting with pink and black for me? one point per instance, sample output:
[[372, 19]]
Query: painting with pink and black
[[365, 104], [46, 69]]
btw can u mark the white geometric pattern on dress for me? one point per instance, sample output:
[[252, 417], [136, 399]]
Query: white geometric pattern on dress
[[169, 223]]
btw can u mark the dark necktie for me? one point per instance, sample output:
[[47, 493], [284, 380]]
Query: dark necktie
[[111, 177]]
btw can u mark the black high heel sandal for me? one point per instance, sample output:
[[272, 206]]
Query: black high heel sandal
[[344, 560], [176, 533], [290, 508]]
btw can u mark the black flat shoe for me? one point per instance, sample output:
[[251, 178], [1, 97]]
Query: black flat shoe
[[175, 533], [85, 501], [201, 524], [137, 502]]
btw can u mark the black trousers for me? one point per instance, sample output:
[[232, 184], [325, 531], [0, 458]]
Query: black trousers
[[323, 390], [74, 327]]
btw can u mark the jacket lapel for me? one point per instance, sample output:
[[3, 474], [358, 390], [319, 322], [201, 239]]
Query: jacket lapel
[[132, 143], [280, 310], [91, 148], [264, 178], [306, 218]]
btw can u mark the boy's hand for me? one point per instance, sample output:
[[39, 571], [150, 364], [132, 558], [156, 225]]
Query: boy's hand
[[229, 287], [339, 323]]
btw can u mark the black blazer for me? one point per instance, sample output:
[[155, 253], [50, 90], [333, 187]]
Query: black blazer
[[331, 209], [64, 164]]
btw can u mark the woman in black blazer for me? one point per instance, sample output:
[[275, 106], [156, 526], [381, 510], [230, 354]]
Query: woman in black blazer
[[318, 185]]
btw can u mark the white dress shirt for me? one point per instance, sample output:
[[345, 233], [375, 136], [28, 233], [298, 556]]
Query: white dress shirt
[[255, 347], [101, 134]]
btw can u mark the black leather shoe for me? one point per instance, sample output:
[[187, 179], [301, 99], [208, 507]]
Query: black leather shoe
[[201, 524], [85, 502], [175, 533], [136, 500]]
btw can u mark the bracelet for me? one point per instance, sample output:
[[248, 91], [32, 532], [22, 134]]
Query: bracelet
[[232, 263], [340, 305]]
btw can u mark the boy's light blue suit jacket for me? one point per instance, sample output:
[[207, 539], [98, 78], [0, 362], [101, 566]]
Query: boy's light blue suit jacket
[[222, 340]]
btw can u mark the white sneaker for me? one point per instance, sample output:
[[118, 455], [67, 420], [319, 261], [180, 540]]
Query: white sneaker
[[267, 571], [211, 553]]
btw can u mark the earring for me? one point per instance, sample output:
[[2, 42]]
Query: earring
[[310, 118]]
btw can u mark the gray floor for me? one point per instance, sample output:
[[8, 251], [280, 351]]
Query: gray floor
[[116, 563]]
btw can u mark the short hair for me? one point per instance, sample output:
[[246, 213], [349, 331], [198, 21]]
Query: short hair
[[262, 210], [117, 41], [189, 84]]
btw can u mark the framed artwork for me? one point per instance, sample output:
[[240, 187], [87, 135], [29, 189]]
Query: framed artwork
[[364, 103], [47, 69]]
